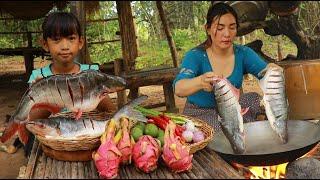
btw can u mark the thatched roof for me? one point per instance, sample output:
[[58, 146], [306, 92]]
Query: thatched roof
[[31, 10]]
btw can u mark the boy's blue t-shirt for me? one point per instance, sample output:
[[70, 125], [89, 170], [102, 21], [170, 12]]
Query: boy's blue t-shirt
[[196, 62], [46, 71]]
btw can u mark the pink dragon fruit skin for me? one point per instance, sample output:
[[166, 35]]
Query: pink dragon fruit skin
[[175, 155], [146, 152], [107, 157], [125, 145]]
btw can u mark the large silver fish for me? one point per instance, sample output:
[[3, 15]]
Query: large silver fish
[[229, 109], [79, 93], [58, 128], [275, 100]]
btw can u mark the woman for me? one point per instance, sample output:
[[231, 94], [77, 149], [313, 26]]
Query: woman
[[218, 56]]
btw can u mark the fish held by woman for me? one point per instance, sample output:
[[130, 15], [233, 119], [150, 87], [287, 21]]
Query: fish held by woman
[[229, 109]]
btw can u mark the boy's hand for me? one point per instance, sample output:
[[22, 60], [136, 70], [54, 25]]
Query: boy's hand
[[38, 78]]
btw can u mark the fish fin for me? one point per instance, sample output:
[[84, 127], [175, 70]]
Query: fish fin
[[23, 134], [10, 131], [262, 102], [219, 118], [50, 107], [262, 73], [129, 111], [244, 111], [78, 114], [136, 115]]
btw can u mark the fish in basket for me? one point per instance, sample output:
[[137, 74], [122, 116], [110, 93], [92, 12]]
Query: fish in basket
[[79, 93]]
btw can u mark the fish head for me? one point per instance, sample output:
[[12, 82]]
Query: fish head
[[43, 128], [282, 130], [109, 83]]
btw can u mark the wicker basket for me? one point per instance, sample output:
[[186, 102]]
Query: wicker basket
[[89, 143], [201, 125], [208, 134], [81, 143]]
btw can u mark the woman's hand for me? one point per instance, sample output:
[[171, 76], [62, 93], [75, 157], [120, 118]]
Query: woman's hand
[[207, 80]]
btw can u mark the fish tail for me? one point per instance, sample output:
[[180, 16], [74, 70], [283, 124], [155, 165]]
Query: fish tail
[[12, 129], [23, 134]]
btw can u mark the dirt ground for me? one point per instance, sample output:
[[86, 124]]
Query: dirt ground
[[12, 87]]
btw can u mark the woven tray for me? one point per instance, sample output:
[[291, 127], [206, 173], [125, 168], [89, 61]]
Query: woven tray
[[81, 143], [201, 125], [82, 155]]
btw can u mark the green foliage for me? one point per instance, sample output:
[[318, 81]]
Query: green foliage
[[186, 22]]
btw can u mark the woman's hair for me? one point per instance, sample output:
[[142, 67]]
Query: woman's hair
[[216, 11], [60, 24]]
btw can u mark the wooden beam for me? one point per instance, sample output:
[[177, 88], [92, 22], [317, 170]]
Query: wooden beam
[[23, 32], [172, 46], [157, 77], [102, 42], [101, 20]]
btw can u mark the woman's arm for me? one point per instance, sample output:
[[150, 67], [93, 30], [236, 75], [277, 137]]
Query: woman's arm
[[186, 87]]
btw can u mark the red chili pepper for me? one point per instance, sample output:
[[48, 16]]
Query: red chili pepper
[[162, 121], [166, 118], [159, 122]]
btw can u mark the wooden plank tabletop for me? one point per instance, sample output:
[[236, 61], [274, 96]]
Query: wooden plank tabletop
[[206, 164]]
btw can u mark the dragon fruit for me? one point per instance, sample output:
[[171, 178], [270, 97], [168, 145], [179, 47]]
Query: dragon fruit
[[175, 155], [126, 143], [145, 153], [107, 158]]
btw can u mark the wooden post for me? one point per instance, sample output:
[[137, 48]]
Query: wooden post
[[128, 40], [172, 46], [78, 9], [127, 35], [121, 95], [169, 98], [28, 62], [28, 57]]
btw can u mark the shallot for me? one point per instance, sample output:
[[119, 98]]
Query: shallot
[[187, 135], [198, 136]]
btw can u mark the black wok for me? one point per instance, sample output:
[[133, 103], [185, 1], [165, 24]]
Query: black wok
[[263, 146]]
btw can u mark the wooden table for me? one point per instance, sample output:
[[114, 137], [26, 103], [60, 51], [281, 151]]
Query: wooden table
[[29, 53], [206, 164]]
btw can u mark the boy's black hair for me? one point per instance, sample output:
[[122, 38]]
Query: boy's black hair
[[60, 24]]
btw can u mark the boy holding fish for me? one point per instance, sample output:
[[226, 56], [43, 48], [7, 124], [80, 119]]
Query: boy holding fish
[[63, 39], [218, 57]]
